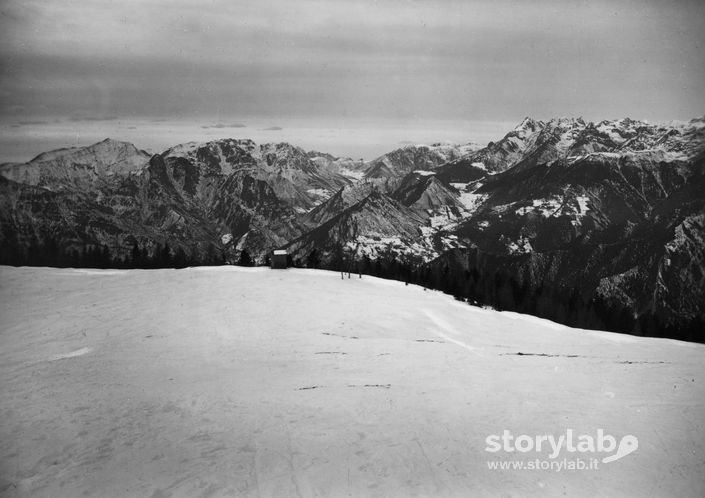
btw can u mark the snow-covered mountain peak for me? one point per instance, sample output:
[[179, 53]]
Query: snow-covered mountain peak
[[566, 123], [107, 151], [281, 152], [528, 124], [111, 143], [225, 145], [699, 121], [79, 164]]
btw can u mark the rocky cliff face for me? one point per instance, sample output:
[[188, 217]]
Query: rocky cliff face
[[374, 225], [387, 171], [613, 210]]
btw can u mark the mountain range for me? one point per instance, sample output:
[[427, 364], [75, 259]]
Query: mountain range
[[610, 213]]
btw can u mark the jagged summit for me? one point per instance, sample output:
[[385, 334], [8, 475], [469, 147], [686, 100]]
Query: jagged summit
[[528, 123], [189, 149], [567, 121]]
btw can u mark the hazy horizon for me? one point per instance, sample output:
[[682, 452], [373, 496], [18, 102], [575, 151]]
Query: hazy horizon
[[356, 139], [341, 76]]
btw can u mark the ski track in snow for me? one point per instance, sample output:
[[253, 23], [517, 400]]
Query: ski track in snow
[[442, 329], [72, 354]]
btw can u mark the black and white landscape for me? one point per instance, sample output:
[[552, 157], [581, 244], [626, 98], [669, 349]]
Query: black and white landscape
[[597, 225], [494, 216]]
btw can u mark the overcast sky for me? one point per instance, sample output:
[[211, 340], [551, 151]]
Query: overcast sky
[[239, 62]]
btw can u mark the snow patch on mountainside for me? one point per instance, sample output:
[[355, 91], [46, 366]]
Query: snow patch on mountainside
[[320, 193], [542, 207], [472, 201], [555, 206], [378, 246], [520, 246], [582, 201], [353, 174]]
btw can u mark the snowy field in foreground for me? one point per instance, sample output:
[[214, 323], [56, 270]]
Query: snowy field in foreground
[[253, 382]]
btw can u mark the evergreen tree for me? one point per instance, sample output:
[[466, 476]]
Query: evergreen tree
[[180, 258], [136, 260], [164, 258], [245, 259], [313, 259]]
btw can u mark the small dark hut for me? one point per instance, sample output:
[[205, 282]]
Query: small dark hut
[[279, 259]]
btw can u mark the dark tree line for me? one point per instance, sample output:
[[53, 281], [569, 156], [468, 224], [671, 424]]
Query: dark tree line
[[474, 284], [570, 306], [501, 290], [50, 252]]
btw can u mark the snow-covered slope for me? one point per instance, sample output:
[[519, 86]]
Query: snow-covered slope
[[252, 382]]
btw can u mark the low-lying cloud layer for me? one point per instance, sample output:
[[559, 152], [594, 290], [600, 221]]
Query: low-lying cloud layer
[[221, 126]]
